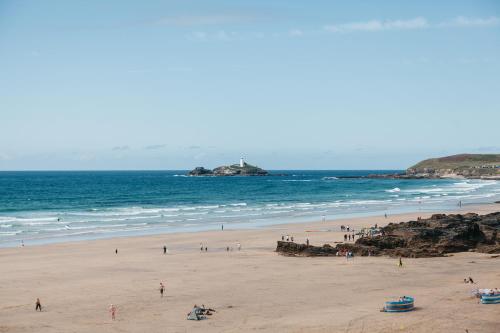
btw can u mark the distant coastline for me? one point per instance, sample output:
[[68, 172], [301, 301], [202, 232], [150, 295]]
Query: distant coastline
[[462, 166]]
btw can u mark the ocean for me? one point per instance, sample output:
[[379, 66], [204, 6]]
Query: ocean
[[53, 206]]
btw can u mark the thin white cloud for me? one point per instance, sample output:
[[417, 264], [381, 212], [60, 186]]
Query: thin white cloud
[[120, 148], [467, 22], [296, 33], [377, 25], [220, 35], [154, 147], [197, 20], [4, 157]]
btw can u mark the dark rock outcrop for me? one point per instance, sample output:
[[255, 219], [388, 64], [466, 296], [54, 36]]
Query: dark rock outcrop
[[200, 171], [436, 236]]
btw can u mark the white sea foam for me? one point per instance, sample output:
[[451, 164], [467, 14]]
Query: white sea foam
[[297, 180], [396, 189]]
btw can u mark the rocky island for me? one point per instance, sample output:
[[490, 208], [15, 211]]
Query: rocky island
[[433, 237], [241, 169]]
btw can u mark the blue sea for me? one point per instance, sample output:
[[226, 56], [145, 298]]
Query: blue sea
[[44, 207]]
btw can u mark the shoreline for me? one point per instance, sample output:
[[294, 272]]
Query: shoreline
[[342, 219], [252, 289]]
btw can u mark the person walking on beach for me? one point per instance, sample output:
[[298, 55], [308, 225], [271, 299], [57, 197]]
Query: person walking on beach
[[112, 311], [38, 305], [116, 251], [400, 262], [162, 289], [164, 249], [385, 215], [239, 246], [222, 227], [307, 241]]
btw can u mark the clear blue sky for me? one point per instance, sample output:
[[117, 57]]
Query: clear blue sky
[[288, 84]]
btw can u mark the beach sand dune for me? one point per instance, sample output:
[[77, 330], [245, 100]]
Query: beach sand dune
[[254, 289]]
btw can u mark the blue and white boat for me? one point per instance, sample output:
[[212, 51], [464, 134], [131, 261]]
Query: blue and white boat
[[404, 304]]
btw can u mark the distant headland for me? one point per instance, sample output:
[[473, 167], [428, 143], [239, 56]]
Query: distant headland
[[473, 166], [241, 169]]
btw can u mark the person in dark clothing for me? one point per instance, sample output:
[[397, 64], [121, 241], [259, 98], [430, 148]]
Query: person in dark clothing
[[162, 289], [164, 249], [38, 305], [116, 251]]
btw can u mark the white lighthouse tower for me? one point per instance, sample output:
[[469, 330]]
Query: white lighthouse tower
[[242, 162]]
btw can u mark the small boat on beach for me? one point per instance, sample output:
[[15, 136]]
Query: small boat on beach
[[490, 299], [404, 304]]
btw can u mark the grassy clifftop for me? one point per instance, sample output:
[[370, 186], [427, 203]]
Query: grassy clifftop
[[467, 165], [460, 161]]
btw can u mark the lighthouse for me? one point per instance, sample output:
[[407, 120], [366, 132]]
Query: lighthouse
[[242, 162]]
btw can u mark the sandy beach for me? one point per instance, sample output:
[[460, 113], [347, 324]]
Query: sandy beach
[[254, 289]]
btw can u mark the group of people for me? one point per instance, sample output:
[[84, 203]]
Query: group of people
[[287, 238], [344, 228], [348, 237], [346, 253], [199, 313], [469, 280]]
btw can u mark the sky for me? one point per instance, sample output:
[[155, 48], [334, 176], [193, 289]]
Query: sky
[[91, 85]]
